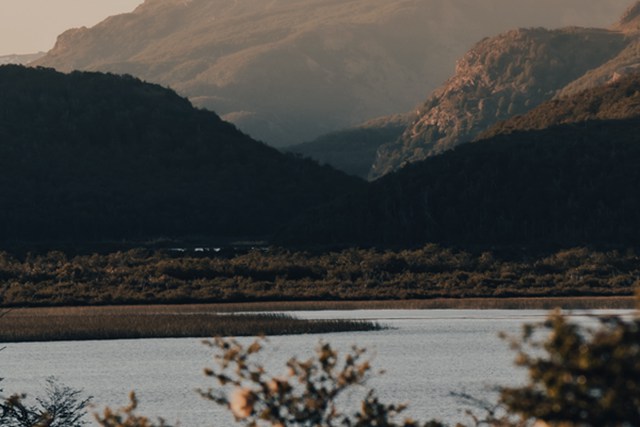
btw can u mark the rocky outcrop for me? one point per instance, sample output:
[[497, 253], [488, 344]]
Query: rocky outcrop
[[497, 79]]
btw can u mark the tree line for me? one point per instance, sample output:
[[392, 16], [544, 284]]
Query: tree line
[[153, 277]]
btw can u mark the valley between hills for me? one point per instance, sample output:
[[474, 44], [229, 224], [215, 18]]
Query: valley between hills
[[516, 178]]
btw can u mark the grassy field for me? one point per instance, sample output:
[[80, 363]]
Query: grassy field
[[72, 324], [208, 320]]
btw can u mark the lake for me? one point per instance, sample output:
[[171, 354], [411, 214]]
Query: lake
[[427, 356]]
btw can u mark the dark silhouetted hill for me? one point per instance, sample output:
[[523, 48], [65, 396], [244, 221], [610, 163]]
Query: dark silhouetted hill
[[90, 156]]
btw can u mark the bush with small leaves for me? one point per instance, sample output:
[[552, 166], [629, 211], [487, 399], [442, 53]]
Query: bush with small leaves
[[126, 417], [587, 377], [61, 407], [308, 395]]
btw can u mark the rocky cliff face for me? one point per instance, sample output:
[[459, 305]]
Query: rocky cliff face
[[499, 78], [287, 71]]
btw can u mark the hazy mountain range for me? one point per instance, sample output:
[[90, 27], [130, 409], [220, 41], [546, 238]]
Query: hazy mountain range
[[20, 59], [287, 71]]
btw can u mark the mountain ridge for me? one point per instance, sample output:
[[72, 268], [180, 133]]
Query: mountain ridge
[[346, 61], [20, 59]]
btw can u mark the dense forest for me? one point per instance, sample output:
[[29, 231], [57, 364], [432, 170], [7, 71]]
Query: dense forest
[[89, 156], [568, 184]]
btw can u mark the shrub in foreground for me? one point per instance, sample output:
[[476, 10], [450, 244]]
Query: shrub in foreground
[[61, 406], [579, 376]]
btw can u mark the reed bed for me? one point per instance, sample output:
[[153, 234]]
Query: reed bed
[[132, 323], [208, 320]]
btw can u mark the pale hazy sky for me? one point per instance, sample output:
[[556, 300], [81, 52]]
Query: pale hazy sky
[[29, 26]]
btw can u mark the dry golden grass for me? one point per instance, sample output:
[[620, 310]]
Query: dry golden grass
[[208, 320], [577, 303], [70, 324]]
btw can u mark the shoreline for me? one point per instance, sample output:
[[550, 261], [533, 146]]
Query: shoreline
[[243, 319], [524, 303]]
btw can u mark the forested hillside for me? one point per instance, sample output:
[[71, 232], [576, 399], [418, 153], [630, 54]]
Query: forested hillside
[[90, 156], [574, 182]]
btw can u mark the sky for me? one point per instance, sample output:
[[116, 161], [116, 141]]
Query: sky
[[29, 26]]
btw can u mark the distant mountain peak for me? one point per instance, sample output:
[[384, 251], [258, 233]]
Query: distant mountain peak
[[630, 21]]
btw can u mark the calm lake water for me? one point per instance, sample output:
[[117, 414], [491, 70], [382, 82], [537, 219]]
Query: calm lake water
[[427, 355]]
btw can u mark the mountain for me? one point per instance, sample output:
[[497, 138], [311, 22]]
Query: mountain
[[630, 21], [564, 174], [287, 71], [616, 100], [626, 62], [20, 59], [90, 156], [354, 150], [499, 77]]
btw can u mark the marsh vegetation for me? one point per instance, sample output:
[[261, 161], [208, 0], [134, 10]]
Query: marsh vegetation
[[73, 325], [276, 275]]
